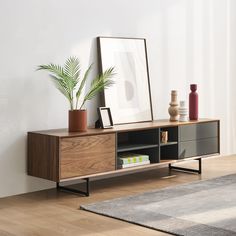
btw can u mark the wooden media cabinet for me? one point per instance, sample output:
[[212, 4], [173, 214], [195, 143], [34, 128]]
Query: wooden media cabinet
[[60, 156]]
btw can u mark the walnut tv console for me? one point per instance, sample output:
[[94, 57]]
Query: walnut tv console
[[60, 156]]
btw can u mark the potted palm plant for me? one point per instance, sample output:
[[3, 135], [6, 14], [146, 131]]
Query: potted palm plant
[[68, 81]]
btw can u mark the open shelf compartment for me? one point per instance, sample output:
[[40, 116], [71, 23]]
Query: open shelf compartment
[[135, 140], [144, 142], [169, 150]]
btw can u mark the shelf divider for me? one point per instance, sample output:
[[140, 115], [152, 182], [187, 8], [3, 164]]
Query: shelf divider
[[132, 147], [168, 143]]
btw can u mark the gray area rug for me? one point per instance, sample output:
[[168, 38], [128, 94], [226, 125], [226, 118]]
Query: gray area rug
[[201, 208]]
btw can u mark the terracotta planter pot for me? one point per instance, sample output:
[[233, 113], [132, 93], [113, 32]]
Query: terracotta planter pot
[[77, 120]]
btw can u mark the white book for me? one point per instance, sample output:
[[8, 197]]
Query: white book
[[134, 164]]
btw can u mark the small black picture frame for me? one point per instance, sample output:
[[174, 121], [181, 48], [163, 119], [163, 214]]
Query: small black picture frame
[[105, 117]]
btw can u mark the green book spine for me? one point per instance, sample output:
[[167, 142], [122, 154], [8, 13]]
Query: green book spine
[[125, 159], [133, 164]]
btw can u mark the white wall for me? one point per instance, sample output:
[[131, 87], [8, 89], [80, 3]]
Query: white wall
[[188, 41]]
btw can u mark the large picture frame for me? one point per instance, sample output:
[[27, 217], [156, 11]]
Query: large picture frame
[[130, 97]]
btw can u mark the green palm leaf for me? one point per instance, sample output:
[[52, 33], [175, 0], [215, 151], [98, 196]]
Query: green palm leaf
[[101, 82], [72, 68], [60, 84], [62, 87], [56, 70], [72, 71], [82, 85]]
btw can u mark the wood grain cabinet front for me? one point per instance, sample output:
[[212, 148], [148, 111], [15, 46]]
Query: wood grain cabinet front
[[87, 155]]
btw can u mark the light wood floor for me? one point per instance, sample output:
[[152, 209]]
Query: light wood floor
[[51, 213]]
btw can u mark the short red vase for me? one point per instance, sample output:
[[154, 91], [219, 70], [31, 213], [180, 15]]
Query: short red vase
[[193, 103]]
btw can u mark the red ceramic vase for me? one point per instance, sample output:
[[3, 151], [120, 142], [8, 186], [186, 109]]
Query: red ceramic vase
[[193, 103]]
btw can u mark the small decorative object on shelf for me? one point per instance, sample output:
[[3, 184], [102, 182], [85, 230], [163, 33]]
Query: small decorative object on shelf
[[68, 81], [173, 109], [164, 136], [193, 103], [105, 118], [183, 112]]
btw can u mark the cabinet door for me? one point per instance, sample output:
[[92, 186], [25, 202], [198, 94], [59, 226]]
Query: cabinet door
[[198, 147], [80, 156], [198, 131]]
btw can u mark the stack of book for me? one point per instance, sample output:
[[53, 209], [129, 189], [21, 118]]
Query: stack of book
[[126, 160]]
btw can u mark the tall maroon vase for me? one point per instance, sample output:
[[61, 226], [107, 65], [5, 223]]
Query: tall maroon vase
[[193, 103]]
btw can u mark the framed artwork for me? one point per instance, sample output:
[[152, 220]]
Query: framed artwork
[[105, 117], [129, 98]]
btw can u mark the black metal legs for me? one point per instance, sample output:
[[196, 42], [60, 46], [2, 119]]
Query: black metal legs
[[75, 191], [199, 170]]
